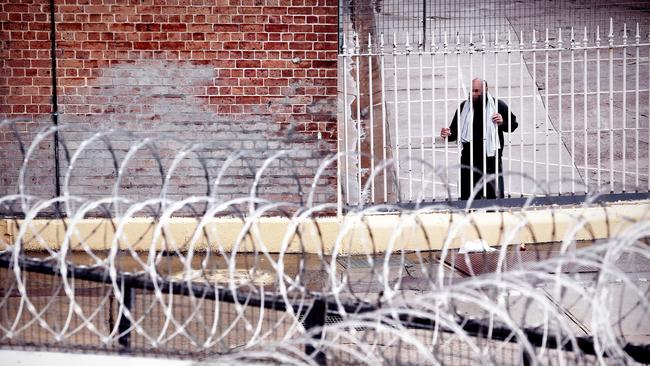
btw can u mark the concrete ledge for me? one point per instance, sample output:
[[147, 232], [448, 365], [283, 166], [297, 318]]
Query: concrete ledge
[[11, 357], [353, 234]]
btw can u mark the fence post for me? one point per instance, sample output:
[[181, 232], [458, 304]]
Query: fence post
[[124, 339], [424, 23], [316, 318], [526, 359]]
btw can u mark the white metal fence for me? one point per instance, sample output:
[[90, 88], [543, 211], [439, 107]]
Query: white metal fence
[[581, 100]]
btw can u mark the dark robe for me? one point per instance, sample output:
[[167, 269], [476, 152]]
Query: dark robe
[[509, 121]]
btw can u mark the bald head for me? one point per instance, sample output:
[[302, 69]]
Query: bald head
[[479, 87]]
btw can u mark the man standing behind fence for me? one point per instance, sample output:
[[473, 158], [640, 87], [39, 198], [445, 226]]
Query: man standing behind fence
[[482, 124]]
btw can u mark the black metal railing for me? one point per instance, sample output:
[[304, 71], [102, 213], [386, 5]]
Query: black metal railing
[[315, 313], [474, 17]]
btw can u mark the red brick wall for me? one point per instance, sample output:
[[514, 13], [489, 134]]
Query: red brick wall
[[258, 75], [25, 90], [25, 84]]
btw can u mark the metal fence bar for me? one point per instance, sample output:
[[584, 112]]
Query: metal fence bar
[[546, 107], [460, 100], [559, 108], [371, 127], [396, 120], [384, 121], [573, 114], [408, 119], [424, 22], [359, 125], [420, 64], [446, 104], [486, 118], [432, 51], [496, 99], [345, 122], [471, 124], [585, 119], [315, 319], [598, 111], [637, 39], [534, 96], [610, 37], [624, 145], [124, 326], [508, 45], [521, 108]]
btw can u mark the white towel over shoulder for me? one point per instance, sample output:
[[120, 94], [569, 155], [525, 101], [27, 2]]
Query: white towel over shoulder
[[490, 129]]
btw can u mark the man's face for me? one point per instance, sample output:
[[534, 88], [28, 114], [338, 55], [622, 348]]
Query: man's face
[[477, 90]]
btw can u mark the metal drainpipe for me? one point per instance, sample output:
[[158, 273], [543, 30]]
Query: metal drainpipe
[[55, 103]]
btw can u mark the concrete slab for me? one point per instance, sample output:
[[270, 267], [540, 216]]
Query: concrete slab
[[354, 234]]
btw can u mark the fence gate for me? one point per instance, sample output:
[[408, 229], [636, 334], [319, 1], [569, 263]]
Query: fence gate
[[580, 96]]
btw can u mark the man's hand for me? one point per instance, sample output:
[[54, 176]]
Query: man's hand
[[445, 132], [497, 119]]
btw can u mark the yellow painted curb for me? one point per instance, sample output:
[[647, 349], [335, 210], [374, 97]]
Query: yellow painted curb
[[353, 234]]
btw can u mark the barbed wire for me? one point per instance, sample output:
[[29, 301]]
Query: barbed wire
[[300, 292]]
